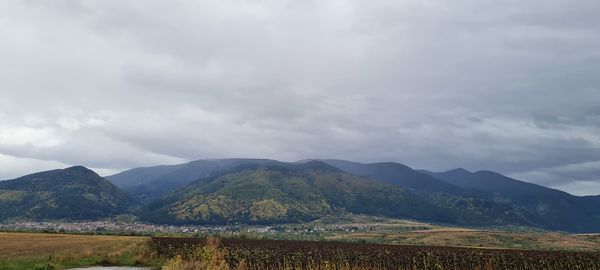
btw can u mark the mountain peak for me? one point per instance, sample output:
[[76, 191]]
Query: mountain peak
[[458, 171], [79, 168]]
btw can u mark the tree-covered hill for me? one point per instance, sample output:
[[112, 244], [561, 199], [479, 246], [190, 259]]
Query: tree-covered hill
[[75, 193], [293, 192]]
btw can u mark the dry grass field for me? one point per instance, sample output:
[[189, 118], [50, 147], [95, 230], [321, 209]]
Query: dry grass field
[[405, 232], [56, 251], [479, 238], [14, 245]]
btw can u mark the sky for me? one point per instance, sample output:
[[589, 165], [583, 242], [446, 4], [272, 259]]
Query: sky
[[509, 86]]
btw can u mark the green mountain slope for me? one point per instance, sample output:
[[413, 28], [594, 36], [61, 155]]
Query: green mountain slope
[[467, 206], [286, 192], [75, 193], [151, 183], [278, 192]]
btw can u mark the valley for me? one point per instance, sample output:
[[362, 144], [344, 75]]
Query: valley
[[77, 218], [299, 135], [350, 228]]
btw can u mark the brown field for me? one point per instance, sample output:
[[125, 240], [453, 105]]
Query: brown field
[[360, 228], [14, 245], [62, 251], [456, 237]]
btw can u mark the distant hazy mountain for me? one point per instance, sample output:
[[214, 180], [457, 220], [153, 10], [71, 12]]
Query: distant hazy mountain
[[286, 192], [150, 183], [75, 193], [555, 209], [397, 174]]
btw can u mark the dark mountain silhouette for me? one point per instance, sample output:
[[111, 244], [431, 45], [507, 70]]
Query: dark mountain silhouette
[[554, 208]]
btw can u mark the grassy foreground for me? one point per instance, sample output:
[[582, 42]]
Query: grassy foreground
[[62, 251]]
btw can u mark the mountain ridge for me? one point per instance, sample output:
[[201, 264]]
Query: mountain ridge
[[558, 209], [241, 190], [156, 181], [297, 192]]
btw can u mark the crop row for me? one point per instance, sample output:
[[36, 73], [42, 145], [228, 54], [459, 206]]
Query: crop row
[[281, 254]]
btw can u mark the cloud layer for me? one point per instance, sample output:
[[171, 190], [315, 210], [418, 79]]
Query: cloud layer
[[506, 86]]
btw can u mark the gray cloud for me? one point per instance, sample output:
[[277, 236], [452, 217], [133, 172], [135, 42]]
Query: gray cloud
[[507, 86]]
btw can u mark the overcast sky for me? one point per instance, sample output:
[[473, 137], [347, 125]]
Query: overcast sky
[[510, 86]]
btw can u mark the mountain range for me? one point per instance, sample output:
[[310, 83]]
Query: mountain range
[[263, 191]]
